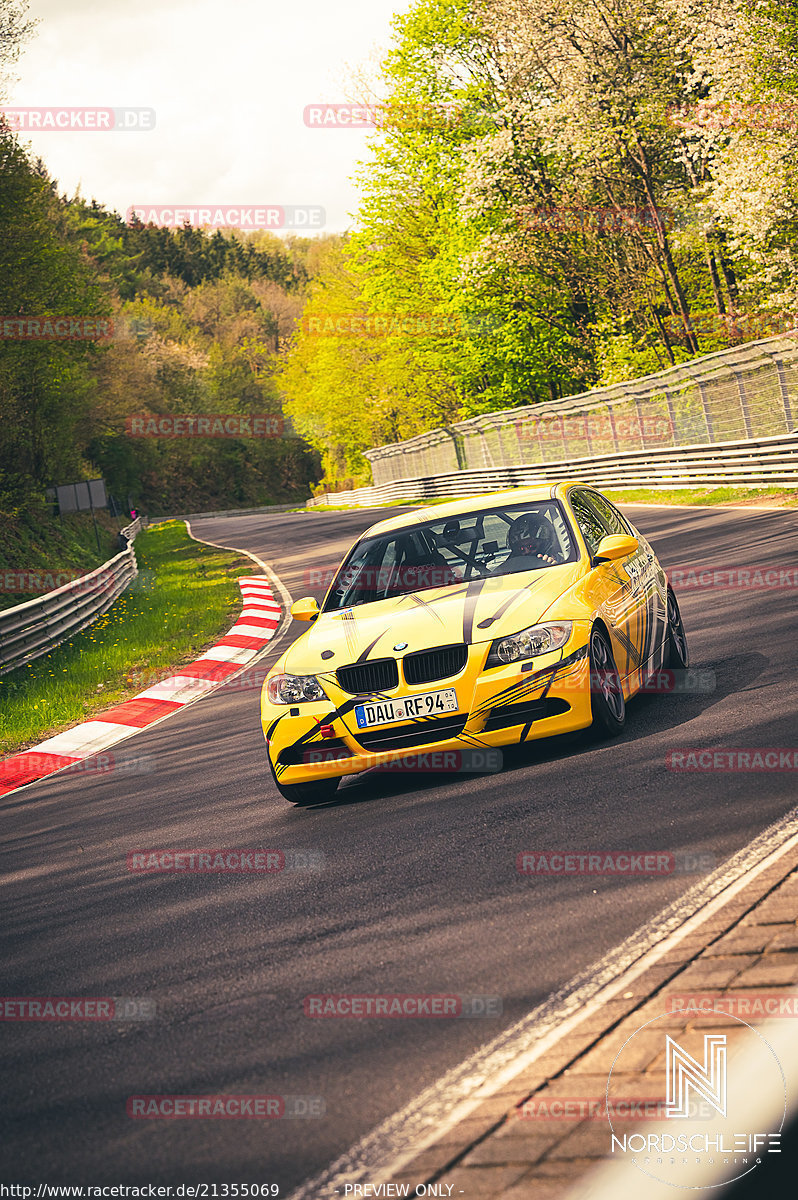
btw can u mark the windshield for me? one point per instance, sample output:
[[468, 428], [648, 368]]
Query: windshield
[[477, 545]]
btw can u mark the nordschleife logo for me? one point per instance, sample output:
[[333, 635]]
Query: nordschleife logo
[[723, 1094], [684, 1075]]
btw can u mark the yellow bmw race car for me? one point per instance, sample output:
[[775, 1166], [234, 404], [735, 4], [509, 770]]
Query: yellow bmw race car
[[481, 623]]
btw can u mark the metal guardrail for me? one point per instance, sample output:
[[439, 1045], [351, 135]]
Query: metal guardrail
[[746, 392], [763, 462], [128, 534], [34, 628]]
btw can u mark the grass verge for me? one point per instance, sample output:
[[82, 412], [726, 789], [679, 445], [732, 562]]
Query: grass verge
[[387, 504], [722, 495], [186, 596]]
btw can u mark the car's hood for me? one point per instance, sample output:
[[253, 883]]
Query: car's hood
[[475, 612]]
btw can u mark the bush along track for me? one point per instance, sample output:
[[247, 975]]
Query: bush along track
[[163, 635], [36, 546]]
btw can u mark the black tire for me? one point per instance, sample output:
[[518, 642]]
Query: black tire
[[677, 655], [317, 791], [606, 693]]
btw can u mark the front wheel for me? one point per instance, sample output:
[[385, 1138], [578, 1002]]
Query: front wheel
[[677, 655], [316, 791], [606, 693]]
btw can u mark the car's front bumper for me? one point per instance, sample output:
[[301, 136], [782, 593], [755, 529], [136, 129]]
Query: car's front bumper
[[501, 706]]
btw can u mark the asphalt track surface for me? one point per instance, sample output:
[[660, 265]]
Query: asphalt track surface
[[418, 892]]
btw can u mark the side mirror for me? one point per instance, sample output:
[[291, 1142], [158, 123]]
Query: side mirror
[[615, 546], [306, 609]]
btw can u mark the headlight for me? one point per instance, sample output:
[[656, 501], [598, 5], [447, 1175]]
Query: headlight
[[538, 639], [294, 689]]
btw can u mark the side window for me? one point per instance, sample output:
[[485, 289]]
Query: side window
[[366, 576], [593, 529], [554, 513], [611, 518]]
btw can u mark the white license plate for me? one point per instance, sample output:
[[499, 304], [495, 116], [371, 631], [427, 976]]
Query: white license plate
[[383, 712]]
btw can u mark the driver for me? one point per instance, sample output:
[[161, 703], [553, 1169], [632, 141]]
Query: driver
[[532, 544]]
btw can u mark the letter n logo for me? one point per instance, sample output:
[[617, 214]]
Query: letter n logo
[[684, 1073]]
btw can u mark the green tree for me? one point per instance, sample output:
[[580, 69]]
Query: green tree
[[46, 386]]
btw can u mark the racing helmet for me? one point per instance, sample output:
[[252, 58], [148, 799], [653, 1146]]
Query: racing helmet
[[532, 534]]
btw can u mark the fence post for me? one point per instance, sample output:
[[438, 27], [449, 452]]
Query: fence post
[[611, 415], [640, 423], [744, 404], [671, 415], [707, 414], [459, 450], [563, 432], [785, 392], [487, 454]]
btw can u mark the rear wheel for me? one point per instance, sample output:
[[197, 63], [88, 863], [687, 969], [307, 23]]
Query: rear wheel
[[677, 655], [606, 693]]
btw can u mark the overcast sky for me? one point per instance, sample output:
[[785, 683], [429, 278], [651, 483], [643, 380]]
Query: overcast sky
[[228, 82]]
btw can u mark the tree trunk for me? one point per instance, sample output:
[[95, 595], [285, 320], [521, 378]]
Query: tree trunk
[[669, 265], [720, 303], [664, 335]]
